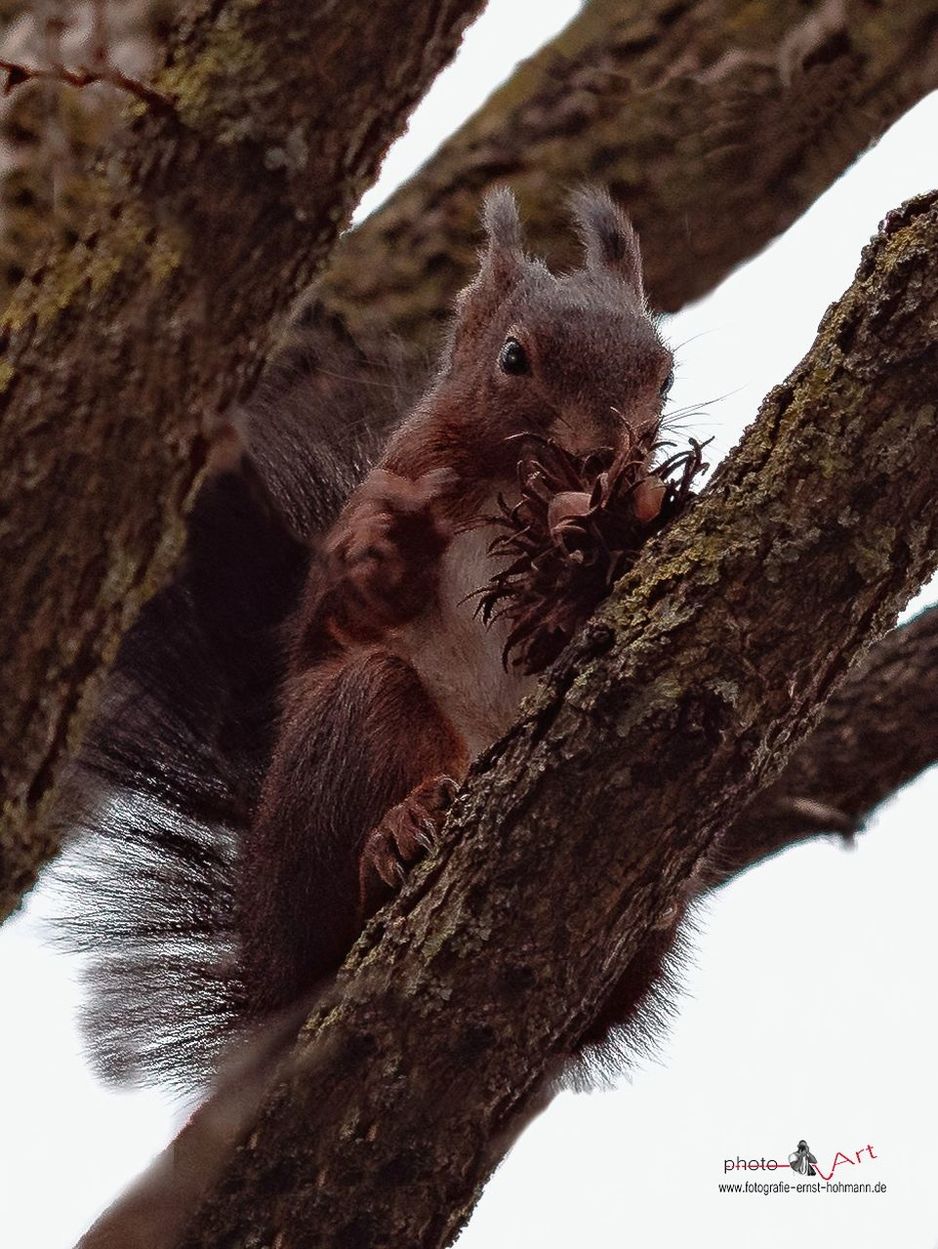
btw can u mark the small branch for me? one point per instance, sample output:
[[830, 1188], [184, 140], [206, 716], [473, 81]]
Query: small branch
[[877, 732], [100, 42], [82, 76]]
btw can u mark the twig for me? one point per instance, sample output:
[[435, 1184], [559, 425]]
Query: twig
[[82, 76]]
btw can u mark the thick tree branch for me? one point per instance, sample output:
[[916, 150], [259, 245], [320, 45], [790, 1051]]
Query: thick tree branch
[[211, 218], [876, 732], [583, 832], [716, 122]]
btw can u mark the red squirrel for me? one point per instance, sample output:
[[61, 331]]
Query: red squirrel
[[395, 684], [250, 805]]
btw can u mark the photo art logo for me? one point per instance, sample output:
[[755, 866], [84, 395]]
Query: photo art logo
[[802, 1162], [803, 1165]]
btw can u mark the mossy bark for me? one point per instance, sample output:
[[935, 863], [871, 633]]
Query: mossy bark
[[49, 130], [716, 123], [581, 834], [118, 353]]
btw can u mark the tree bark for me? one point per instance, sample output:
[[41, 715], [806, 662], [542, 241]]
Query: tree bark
[[117, 354], [48, 131], [583, 832], [715, 122], [876, 732]]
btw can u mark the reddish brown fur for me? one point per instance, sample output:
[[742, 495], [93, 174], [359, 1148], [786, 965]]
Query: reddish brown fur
[[358, 734], [363, 724]]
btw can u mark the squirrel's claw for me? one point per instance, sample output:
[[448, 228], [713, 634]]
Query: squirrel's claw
[[406, 833]]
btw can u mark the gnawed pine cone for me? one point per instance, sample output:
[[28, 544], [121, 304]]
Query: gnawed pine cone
[[578, 525]]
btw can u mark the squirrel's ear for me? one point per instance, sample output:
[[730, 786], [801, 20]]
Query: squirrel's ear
[[505, 254], [608, 238]]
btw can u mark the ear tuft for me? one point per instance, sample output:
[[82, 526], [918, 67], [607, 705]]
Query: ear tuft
[[608, 237], [502, 262], [502, 221]]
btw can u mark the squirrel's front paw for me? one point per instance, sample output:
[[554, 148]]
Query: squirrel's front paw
[[401, 838], [384, 554]]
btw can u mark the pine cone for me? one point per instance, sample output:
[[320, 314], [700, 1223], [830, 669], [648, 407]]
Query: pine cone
[[578, 525]]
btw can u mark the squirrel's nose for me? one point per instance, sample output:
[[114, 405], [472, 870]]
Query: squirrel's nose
[[637, 430], [622, 428], [582, 431]]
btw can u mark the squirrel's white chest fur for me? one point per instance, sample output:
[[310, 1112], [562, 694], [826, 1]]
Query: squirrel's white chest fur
[[459, 658]]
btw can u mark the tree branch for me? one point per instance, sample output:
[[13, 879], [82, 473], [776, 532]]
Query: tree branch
[[877, 732], [583, 832], [716, 123], [116, 353]]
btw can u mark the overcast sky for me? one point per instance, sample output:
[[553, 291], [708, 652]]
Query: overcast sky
[[807, 1010]]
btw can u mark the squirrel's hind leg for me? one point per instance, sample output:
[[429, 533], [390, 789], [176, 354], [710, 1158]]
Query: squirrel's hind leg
[[361, 746]]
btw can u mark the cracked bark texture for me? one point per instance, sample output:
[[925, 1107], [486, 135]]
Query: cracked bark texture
[[118, 353], [583, 831], [715, 122]]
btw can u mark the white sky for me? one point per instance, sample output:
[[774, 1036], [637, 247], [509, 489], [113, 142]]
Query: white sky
[[808, 1007]]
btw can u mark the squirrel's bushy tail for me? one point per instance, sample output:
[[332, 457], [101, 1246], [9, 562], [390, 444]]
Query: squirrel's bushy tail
[[171, 768]]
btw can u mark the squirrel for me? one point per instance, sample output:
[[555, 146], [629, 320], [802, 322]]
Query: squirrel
[[288, 722]]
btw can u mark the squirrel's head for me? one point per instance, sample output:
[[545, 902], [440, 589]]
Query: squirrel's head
[[573, 356]]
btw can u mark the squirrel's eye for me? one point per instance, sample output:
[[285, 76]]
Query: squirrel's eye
[[513, 358], [667, 384]]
